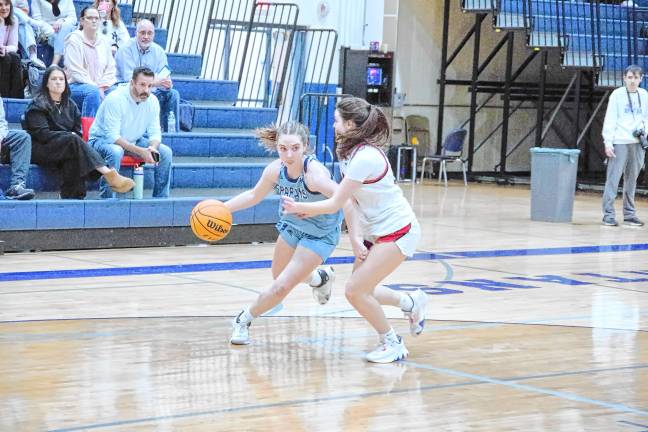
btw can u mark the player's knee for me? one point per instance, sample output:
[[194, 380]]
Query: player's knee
[[351, 292], [281, 288]]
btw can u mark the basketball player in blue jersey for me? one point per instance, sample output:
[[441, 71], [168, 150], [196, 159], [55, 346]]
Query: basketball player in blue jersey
[[303, 243]]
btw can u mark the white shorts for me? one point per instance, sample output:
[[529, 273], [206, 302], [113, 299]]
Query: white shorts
[[407, 243]]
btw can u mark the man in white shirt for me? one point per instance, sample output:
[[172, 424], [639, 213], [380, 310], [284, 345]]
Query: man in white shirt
[[128, 121], [625, 120]]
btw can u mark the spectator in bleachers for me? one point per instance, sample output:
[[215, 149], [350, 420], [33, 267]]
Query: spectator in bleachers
[[61, 16], [11, 83], [128, 121], [28, 28], [15, 149], [54, 123], [142, 51], [89, 64], [111, 26]]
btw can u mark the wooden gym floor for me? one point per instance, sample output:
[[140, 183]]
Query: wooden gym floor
[[532, 327]]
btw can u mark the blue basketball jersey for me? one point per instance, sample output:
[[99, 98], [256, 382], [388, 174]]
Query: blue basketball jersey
[[317, 226]]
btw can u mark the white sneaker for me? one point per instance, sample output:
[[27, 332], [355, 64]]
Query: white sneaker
[[417, 315], [389, 350], [322, 293], [240, 332]]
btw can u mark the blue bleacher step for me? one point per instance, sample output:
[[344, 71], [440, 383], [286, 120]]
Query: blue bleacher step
[[580, 9], [185, 64], [197, 173], [575, 25], [209, 90], [205, 116], [233, 117], [214, 144], [46, 214], [483, 6]]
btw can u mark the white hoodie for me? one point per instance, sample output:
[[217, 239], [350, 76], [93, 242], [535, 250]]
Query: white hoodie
[[620, 121]]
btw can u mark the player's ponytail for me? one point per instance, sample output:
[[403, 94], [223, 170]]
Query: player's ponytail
[[371, 125]]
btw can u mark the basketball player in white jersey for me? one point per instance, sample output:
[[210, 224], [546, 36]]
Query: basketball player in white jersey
[[388, 225]]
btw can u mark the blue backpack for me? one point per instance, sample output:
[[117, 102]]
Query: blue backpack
[[186, 114]]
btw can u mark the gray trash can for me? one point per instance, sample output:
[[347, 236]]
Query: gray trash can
[[553, 182]]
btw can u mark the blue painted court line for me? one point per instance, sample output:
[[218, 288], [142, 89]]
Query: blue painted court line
[[247, 265]]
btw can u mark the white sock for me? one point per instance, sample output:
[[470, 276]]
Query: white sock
[[406, 303], [245, 316], [315, 279], [391, 335]]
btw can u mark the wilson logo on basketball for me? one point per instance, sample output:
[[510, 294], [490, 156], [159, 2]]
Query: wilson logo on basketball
[[216, 227]]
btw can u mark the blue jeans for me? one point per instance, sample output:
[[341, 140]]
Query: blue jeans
[[113, 154], [169, 101], [87, 97], [16, 149], [57, 40]]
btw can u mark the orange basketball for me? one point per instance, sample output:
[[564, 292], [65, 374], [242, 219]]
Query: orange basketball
[[210, 220]]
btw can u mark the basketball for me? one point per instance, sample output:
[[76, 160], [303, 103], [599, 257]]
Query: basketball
[[210, 220]]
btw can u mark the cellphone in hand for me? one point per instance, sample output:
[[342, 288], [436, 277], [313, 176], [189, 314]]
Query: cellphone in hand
[[156, 156]]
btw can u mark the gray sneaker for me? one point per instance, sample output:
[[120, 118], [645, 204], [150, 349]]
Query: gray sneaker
[[609, 221], [633, 221], [19, 192]]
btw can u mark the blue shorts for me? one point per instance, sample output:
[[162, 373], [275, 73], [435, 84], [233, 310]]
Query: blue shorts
[[322, 246]]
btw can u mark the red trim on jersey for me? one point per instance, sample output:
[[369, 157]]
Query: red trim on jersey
[[384, 173], [390, 238]]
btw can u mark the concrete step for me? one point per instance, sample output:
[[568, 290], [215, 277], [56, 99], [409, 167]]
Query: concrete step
[[46, 214]]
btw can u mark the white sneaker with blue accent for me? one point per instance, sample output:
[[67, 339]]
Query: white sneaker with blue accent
[[388, 351], [322, 293], [240, 331], [416, 316]]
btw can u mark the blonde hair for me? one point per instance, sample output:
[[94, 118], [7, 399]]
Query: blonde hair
[[269, 135]]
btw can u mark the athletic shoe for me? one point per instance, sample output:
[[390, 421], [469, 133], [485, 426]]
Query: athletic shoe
[[633, 221], [240, 332], [417, 315], [609, 221], [389, 350], [19, 192], [322, 293]]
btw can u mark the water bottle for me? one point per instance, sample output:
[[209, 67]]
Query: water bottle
[[138, 178], [171, 123]]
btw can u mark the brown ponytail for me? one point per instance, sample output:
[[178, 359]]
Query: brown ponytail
[[371, 124]]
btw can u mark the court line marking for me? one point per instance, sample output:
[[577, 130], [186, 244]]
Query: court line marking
[[297, 402], [259, 264]]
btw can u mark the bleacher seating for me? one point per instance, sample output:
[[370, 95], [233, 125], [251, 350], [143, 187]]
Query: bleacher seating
[[219, 158], [577, 28]]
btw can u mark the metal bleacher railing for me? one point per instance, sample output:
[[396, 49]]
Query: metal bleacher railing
[[258, 44]]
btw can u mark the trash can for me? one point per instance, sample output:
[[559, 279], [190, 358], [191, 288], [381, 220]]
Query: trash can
[[553, 182]]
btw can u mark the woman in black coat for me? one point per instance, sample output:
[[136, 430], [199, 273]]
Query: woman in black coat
[[54, 123]]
